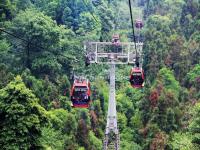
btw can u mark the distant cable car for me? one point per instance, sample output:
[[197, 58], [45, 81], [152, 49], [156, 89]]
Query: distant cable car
[[137, 77], [139, 24], [115, 40], [80, 93], [116, 44]]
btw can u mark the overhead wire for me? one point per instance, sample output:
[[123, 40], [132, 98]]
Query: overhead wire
[[133, 30], [131, 14], [26, 41], [90, 11], [92, 14], [17, 37], [36, 46], [20, 38]]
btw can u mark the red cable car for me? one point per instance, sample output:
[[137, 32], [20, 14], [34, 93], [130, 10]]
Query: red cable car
[[115, 40], [139, 24], [137, 77], [80, 93]]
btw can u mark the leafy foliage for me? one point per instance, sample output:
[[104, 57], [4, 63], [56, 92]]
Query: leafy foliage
[[47, 51], [22, 118]]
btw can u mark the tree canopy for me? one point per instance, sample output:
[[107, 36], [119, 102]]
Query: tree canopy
[[42, 48]]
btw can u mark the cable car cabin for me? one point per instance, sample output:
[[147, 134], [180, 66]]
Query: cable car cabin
[[116, 46], [80, 94], [139, 24], [115, 40], [137, 77]]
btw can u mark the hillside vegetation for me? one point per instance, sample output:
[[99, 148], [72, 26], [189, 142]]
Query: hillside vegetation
[[41, 46]]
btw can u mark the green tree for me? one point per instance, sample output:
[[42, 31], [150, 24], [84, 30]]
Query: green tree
[[156, 47], [89, 27], [194, 47], [162, 102], [83, 134], [23, 4], [6, 10], [181, 141], [42, 41], [49, 7], [188, 17], [192, 81], [94, 141], [106, 15], [178, 57], [22, 118], [194, 126], [52, 139], [68, 13], [6, 55], [122, 121], [165, 112], [193, 77], [5, 75]]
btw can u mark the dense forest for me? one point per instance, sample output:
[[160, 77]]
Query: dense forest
[[41, 46]]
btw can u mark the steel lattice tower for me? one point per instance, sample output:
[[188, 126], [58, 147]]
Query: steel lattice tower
[[101, 53]]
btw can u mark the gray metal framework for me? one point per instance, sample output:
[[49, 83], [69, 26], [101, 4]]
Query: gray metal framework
[[107, 53], [111, 140], [100, 52]]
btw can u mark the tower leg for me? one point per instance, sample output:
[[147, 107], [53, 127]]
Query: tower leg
[[111, 140]]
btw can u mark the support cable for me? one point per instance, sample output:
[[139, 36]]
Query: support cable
[[90, 11], [95, 19], [28, 42], [133, 31]]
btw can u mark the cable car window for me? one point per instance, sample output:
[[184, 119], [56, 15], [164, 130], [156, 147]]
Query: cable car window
[[115, 40], [136, 74], [81, 89]]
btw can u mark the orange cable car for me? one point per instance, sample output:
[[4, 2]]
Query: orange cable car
[[137, 77], [80, 93]]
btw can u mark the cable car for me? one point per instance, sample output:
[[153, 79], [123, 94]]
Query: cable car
[[80, 93], [137, 77], [139, 24], [115, 40], [116, 45]]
